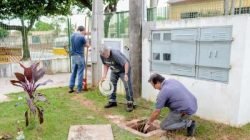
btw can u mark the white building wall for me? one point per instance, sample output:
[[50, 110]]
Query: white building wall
[[244, 110], [216, 101]]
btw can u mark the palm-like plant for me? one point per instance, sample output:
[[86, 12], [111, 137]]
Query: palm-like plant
[[28, 81]]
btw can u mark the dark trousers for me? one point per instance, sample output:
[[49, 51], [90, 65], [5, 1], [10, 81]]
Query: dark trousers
[[175, 121], [127, 84]]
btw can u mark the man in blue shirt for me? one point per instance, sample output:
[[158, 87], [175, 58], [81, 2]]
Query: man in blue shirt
[[180, 101], [78, 42], [120, 68]]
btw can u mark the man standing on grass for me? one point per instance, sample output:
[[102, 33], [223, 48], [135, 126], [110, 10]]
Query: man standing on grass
[[178, 99], [78, 42], [120, 68]]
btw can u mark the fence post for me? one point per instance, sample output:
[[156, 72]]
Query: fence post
[[69, 43], [117, 25]]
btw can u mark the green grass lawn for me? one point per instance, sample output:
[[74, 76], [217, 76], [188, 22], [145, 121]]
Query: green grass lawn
[[66, 109]]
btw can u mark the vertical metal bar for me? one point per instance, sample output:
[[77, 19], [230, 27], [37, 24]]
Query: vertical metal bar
[[165, 13], [155, 13], [69, 42], [118, 25]]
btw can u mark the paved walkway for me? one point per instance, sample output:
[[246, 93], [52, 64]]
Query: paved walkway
[[59, 80]]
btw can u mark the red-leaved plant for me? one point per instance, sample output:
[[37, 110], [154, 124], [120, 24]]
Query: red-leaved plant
[[28, 81]]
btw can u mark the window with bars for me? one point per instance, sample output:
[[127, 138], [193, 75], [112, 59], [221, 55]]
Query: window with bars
[[189, 15], [243, 10]]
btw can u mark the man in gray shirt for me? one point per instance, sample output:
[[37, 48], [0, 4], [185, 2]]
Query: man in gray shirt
[[120, 68], [181, 103]]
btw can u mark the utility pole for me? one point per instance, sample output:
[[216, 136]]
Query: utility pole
[[135, 43], [96, 40]]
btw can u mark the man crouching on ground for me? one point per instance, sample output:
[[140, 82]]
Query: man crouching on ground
[[120, 68], [181, 103]]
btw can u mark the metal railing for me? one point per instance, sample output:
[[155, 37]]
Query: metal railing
[[40, 45], [116, 24]]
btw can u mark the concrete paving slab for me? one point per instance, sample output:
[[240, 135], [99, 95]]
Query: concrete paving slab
[[90, 132]]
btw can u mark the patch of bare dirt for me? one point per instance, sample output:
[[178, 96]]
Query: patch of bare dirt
[[5, 137], [85, 102], [117, 119], [91, 105]]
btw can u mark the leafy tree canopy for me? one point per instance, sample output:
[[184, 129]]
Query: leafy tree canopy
[[32, 9], [3, 33], [28, 11], [43, 26], [111, 4]]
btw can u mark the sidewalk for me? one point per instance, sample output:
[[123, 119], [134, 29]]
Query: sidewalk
[[59, 80]]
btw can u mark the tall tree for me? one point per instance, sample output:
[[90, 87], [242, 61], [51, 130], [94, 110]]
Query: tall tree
[[111, 6], [109, 11], [28, 11], [3, 33], [56, 23], [135, 43], [43, 26]]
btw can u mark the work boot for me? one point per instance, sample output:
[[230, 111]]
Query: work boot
[[78, 92], [134, 105], [130, 106], [110, 104], [71, 91], [191, 129]]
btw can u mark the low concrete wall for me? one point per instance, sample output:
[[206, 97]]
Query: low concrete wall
[[51, 66]]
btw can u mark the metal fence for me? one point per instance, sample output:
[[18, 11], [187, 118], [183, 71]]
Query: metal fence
[[41, 45], [116, 24], [156, 14]]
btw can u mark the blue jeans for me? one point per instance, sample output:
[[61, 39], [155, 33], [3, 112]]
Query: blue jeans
[[77, 69], [128, 86]]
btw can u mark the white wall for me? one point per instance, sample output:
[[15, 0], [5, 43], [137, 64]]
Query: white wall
[[244, 111], [51, 66], [216, 101]]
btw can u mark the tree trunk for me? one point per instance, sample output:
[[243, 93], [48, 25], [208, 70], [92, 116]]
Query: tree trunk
[[26, 51], [135, 43], [106, 24]]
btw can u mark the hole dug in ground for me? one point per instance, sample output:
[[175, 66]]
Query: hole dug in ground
[[136, 126], [139, 125]]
